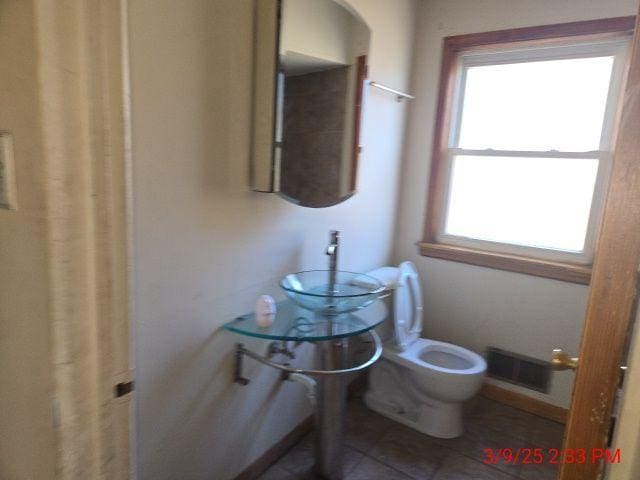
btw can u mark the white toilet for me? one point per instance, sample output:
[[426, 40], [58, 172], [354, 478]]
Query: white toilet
[[419, 382]]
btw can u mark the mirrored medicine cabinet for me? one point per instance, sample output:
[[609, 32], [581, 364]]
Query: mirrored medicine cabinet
[[310, 66]]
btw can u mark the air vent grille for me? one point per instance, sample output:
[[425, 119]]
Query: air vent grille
[[518, 369]]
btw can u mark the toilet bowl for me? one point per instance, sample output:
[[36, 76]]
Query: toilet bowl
[[419, 382]]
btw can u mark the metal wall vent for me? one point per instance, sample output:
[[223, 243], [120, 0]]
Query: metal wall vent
[[518, 369]]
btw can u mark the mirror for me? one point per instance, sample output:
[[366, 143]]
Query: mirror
[[310, 69]]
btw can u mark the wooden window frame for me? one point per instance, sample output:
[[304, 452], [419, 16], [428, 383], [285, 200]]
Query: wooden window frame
[[507, 259]]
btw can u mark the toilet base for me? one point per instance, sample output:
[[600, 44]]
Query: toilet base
[[435, 418], [392, 393]]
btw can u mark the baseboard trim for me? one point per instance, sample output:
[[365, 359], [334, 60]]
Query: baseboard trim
[[274, 453], [524, 402]]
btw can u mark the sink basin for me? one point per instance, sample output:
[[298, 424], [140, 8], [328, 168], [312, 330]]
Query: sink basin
[[312, 290]]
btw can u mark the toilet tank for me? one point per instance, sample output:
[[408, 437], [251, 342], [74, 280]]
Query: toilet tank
[[388, 276]]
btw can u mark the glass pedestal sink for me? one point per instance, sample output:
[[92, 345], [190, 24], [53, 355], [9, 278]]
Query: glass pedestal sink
[[330, 333], [293, 323], [331, 292]]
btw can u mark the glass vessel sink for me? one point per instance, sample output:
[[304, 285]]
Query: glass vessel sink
[[331, 292]]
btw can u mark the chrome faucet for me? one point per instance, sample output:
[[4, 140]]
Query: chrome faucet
[[332, 251]]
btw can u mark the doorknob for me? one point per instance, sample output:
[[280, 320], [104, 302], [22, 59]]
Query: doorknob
[[560, 360]]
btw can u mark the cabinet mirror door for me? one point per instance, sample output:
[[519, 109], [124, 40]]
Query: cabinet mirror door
[[310, 69]]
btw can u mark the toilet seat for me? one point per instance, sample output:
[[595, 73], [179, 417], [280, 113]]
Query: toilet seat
[[446, 359], [407, 316], [418, 352], [416, 357]]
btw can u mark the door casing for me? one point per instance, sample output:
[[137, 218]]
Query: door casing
[[83, 73], [612, 291]]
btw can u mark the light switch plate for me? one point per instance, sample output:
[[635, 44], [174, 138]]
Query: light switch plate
[[8, 199]]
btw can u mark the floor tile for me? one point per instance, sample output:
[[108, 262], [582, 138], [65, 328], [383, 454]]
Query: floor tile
[[378, 448], [543, 471], [496, 416], [277, 473], [370, 469], [364, 427], [301, 458], [548, 434], [459, 467], [409, 451], [478, 437]]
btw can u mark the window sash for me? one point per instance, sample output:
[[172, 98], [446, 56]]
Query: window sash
[[617, 49], [583, 257]]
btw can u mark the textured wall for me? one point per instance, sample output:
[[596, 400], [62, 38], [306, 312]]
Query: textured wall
[[474, 306], [205, 246]]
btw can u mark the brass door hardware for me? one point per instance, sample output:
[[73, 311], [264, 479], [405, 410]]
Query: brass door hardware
[[560, 360]]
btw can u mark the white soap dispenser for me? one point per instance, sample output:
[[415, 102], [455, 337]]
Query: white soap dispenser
[[265, 310]]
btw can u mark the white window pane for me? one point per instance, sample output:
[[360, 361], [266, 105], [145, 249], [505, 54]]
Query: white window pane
[[539, 202], [536, 106]]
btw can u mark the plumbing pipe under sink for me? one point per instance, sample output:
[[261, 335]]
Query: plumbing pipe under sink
[[308, 382]]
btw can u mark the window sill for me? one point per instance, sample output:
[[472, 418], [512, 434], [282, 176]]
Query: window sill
[[513, 263]]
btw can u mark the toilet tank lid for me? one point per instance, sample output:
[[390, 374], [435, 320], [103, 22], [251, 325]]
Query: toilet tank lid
[[388, 276]]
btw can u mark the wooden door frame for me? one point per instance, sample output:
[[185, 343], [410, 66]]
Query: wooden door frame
[[627, 432], [84, 121], [612, 292]]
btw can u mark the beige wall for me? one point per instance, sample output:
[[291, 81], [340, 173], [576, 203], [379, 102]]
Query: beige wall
[[205, 246], [474, 306], [26, 426], [318, 29]]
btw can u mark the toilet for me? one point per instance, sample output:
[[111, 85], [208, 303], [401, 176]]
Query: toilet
[[419, 382]]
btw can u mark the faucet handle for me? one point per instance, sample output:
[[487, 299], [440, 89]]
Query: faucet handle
[[333, 242]]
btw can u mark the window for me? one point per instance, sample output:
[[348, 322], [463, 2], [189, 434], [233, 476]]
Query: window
[[523, 145]]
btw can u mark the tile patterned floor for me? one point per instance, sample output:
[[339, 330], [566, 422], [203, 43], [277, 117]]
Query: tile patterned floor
[[380, 449]]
